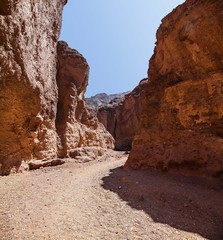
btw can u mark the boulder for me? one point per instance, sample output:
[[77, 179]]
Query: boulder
[[37, 164], [86, 154]]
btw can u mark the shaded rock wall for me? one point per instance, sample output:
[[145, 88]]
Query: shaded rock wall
[[182, 125], [76, 123], [28, 94], [121, 117]]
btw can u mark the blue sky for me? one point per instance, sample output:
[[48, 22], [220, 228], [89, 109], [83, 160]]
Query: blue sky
[[116, 37]]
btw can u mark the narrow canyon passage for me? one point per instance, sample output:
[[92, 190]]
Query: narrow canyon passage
[[100, 200]]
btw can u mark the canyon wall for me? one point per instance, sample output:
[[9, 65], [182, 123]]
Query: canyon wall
[[28, 94], [76, 123], [121, 117], [182, 124], [29, 114]]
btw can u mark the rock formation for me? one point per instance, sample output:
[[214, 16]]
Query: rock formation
[[182, 124], [28, 94], [102, 99], [76, 123], [29, 32], [121, 117]]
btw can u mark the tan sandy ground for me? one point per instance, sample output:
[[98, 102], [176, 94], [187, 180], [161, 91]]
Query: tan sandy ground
[[100, 200]]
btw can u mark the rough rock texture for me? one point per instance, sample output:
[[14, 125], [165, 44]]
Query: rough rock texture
[[182, 125], [37, 164], [121, 117], [76, 123], [87, 154], [102, 99], [28, 94]]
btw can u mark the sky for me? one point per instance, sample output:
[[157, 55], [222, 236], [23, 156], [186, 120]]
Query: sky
[[117, 37]]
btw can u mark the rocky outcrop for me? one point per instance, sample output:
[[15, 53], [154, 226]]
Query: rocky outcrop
[[102, 99], [28, 94], [76, 123], [182, 125], [121, 117]]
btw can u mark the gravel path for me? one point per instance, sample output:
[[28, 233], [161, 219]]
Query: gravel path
[[101, 201]]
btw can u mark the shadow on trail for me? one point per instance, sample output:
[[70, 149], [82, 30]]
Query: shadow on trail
[[185, 203]]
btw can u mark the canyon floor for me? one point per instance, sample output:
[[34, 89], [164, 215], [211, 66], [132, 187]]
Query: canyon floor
[[102, 201]]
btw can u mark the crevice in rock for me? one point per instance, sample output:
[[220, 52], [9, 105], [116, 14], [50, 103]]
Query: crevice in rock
[[5, 7]]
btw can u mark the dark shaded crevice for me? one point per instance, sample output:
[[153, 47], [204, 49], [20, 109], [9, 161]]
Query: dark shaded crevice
[[5, 7], [60, 124]]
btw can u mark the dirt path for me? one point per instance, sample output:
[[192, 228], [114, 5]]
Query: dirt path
[[101, 201]]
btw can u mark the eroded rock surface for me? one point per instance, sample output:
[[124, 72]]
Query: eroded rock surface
[[121, 117], [37, 164], [87, 154], [182, 125], [102, 99], [28, 94], [77, 124]]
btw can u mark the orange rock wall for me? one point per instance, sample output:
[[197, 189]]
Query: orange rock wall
[[182, 125], [77, 125], [35, 124], [28, 94], [121, 118]]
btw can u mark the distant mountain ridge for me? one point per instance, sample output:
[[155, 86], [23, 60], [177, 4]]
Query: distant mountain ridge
[[102, 99]]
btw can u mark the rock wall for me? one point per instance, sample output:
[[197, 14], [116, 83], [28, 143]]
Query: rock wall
[[28, 94], [121, 117], [76, 123], [182, 124]]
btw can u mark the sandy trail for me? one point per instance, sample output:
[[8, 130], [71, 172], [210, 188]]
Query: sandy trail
[[101, 201]]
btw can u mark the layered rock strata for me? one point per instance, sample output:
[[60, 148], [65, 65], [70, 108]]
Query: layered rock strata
[[28, 93], [121, 117], [182, 125], [76, 123]]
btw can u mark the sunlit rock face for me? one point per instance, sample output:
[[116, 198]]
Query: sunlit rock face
[[121, 117], [182, 125], [102, 99], [76, 123], [28, 94]]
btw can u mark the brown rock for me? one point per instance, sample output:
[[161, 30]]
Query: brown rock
[[121, 117], [28, 94], [37, 164], [86, 154], [5, 7], [76, 123], [182, 125]]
